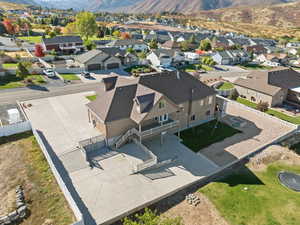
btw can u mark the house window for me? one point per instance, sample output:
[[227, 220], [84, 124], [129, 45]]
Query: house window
[[161, 104], [193, 118], [163, 118]]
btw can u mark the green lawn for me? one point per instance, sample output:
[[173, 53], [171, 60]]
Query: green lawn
[[69, 76], [91, 97], [9, 65], [254, 67], [33, 39], [280, 115], [202, 136], [226, 86], [139, 69], [266, 202], [195, 67], [11, 81]]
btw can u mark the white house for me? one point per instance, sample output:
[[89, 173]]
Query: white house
[[165, 57], [137, 45]]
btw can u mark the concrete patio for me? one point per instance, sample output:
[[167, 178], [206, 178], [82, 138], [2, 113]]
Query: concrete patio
[[110, 191]]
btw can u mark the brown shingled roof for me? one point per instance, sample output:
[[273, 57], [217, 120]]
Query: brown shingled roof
[[119, 102]]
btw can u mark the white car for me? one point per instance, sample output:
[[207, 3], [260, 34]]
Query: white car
[[49, 72]]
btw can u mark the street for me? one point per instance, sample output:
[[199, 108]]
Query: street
[[22, 94]]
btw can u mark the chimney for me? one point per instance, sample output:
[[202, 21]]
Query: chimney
[[109, 83]]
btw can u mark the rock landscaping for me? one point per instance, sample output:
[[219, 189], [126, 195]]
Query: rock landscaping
[[192, 199], [21, 212]]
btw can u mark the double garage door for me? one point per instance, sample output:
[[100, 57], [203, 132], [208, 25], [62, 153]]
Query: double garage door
[[98, 66], [112, 66], [94, 67]]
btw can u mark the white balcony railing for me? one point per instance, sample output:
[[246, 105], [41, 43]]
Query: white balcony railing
[[159, 128]]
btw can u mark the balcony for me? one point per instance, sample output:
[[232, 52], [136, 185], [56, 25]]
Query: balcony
[[157, 128]]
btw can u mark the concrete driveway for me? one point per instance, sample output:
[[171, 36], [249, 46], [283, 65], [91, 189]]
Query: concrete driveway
[[97, 76], [110, 191], [63, 120], [259, 131]]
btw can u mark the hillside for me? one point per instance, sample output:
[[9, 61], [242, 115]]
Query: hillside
[[190, 6], [8, 5], [282, 15]]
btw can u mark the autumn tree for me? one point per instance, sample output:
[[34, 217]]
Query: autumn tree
[[86, 24], [70, 28], [125, 35], [39, 51], [9, 27]]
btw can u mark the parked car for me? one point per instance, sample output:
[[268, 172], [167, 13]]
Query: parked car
[[86, 75], [49, 72], [166, 68]]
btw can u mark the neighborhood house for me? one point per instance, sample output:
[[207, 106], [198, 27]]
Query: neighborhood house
[[274, 87], [64, 44]]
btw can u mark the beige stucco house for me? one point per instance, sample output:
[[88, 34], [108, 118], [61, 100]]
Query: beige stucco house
[[97, 60], [151, 105], [274, 87]]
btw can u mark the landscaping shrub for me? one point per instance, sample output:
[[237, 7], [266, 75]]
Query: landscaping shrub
[[234, 95], [262, 106]]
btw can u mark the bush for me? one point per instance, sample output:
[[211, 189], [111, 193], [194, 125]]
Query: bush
[[234, 95], [262, 106]]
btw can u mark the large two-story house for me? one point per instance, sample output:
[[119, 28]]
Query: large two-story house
[[274, 87], [150, 105], [65, 44]]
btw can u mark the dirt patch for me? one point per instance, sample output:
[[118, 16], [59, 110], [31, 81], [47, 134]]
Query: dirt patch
[[12, 173], [22, 163], [204, 213], [272, 154]]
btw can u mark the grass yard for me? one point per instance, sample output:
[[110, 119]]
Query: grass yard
[[226, 86], [204, 135], [272, 112], [22, 162], [266, 202], [9, 65], [91, 97], [70, 76], [139, 69], [33, 39], [254, 67], [195, 67], [11, 81]]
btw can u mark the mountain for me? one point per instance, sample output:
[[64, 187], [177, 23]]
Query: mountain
[[27, 2], [148, 6], [281, 15], [190, 6]]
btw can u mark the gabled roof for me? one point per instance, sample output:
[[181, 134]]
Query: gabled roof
[[120, 102], [62, 39], [270, 82], [116, 43], [85, 57]]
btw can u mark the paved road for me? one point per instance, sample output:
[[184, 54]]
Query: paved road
[[22, 94]]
